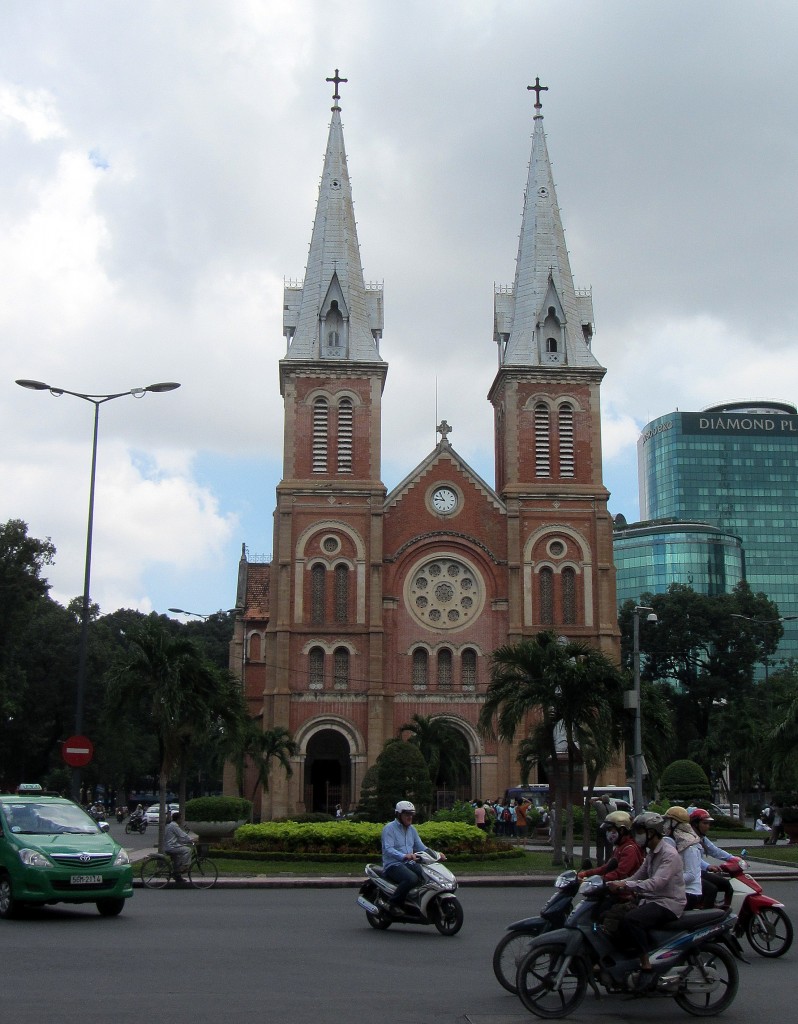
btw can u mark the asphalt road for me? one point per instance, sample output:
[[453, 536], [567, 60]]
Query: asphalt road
[[298, 956]]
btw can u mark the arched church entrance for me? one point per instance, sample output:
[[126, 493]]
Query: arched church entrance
[[328, 772], [457, 782]]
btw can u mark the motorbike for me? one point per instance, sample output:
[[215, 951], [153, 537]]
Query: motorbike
[[433, 901], [136, 825], [693, 962], [513, 947], [762, 920]]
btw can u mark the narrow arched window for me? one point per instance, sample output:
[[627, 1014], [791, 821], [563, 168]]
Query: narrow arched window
[[341, 668], [321, 415], [469, 669], [566, 433], [444, 669], [420, 661], [318, 586], [345, 419], [546, 587], [542, 441], [341, 593], [568, 596], [316, 668], [551, 344]]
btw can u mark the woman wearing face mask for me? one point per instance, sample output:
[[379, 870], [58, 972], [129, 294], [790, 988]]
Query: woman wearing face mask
[[626, 856], [681, 833]]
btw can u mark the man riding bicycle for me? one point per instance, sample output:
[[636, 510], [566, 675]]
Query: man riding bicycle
[[178, 845]]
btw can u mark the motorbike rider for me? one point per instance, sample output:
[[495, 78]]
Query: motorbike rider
[[659, 885], [625, 857], [713, 880], [138, 815], [400, 845], [680, 832]]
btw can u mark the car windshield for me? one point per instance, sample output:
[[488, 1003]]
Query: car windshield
[[46, 818]]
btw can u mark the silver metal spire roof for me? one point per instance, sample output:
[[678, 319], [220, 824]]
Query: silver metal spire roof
[[333, 314], [543, 320]]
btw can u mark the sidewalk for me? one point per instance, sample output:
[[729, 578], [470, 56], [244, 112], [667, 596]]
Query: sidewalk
[[766, 871]]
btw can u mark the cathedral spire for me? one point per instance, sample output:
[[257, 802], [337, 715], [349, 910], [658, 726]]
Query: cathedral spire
[[543, 320], [333, 314]]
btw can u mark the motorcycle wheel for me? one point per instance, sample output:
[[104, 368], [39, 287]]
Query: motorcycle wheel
[[447, 916], [128, 829], [507, 957], [713, 964], [769, 932], [536, 973]]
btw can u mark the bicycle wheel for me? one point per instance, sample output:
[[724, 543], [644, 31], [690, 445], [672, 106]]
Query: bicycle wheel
[[203, 873], [156, 872]]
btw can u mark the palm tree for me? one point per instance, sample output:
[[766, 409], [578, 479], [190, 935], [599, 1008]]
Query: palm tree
[[260, 747], [444, 747], [167, 677], [575, 694]]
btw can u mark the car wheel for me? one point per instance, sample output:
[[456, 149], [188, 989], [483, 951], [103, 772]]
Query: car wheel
[[110, 908], [9, 907]]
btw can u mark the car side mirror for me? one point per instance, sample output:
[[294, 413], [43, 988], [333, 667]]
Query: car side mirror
[[103, 826]]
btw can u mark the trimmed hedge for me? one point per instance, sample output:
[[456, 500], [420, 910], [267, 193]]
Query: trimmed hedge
[[217, 808], [357, 837]]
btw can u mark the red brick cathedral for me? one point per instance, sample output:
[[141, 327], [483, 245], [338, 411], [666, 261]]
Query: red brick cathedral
[[379, 605]]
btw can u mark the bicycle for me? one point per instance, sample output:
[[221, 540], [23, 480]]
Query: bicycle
[[157, 870]]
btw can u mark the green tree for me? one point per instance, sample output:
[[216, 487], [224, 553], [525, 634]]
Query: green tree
[[569, 698], [703, 654], [685, 781], [401, 774], [444, 747], [782, 734], [250, 744], [167, 677]]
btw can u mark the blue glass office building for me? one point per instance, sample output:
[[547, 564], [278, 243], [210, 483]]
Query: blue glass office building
[[651, 556], [733, 467]]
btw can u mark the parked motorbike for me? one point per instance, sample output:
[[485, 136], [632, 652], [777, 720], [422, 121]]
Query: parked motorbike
[[762, 920], [136, 825], [513, 947], [692, 962], [433, 901]]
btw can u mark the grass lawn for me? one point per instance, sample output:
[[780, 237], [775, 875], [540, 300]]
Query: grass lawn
[[785, 854], [536, 862]]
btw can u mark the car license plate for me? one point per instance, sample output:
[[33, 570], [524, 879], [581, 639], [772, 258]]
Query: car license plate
[[85, 879]]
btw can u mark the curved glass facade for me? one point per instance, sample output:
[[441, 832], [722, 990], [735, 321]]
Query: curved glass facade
[[651, 556], [734, 467]]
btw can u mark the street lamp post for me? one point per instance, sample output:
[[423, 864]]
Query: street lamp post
[[96, 401], [637, 754], [764, 623], [199, 615]]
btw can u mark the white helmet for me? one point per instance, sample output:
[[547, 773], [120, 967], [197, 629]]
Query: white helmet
[[404, 805]]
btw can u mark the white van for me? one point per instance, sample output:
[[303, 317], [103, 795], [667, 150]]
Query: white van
[[622, 793]]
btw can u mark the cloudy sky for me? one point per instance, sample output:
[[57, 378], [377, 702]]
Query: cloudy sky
[[159, 164]]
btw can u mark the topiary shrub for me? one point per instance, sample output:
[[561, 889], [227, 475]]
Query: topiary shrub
[[685, 782], [459, 811], [217, 808]]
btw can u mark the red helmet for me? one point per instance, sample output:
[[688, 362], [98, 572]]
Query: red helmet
[[699, 814]]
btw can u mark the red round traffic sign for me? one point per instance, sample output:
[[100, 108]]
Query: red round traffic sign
[[77, 751]]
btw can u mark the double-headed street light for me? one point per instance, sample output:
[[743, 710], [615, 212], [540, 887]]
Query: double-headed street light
[[637, 754], [764, 623], [199, 615], [96, 401]]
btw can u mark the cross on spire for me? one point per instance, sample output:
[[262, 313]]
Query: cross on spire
[[337, 80], [537, 89], [444, 430]]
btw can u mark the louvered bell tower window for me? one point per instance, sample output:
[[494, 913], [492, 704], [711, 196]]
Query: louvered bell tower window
[[341, 593], [321, 416], [542, 441], [318, 586], [566, 432], [569, 596], [345, 418]]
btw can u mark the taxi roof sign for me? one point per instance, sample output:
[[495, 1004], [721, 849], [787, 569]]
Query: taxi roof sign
[[29, 787]]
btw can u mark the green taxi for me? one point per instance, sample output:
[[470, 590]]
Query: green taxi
[[51, 851]]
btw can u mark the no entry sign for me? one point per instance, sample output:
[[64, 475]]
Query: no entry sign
[[77, 751]]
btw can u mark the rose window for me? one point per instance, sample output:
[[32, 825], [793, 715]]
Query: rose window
[[444, 593]]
